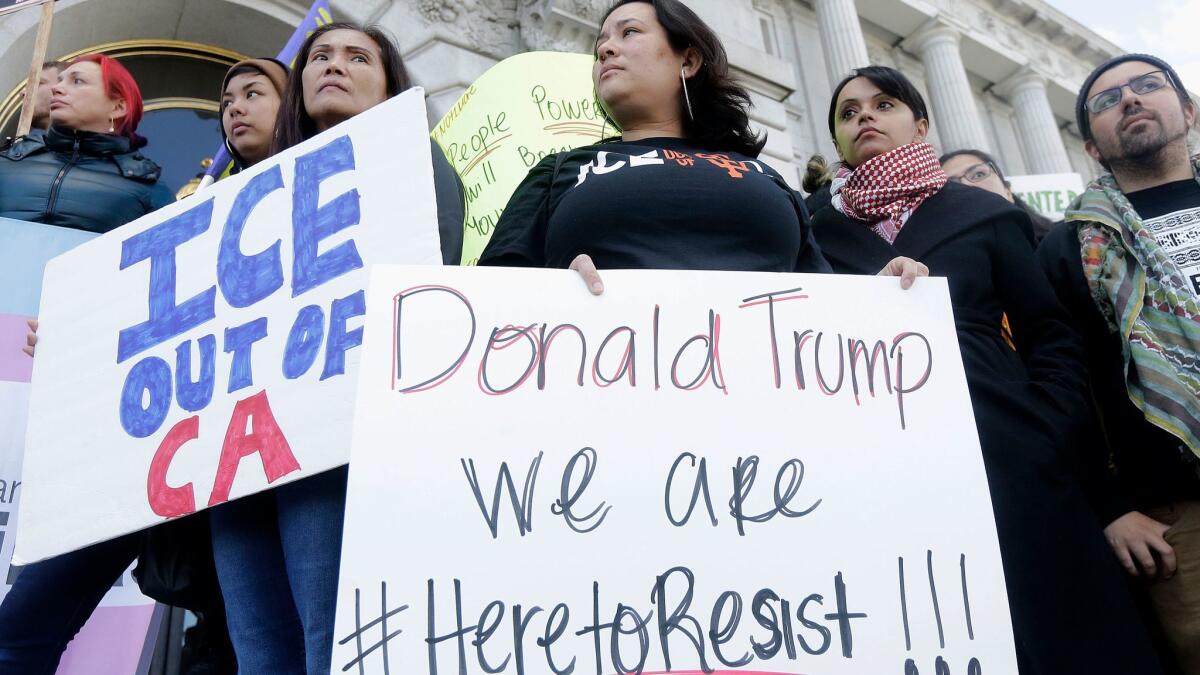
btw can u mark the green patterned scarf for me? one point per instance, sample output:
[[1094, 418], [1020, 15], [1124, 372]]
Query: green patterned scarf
[[1147, 301]]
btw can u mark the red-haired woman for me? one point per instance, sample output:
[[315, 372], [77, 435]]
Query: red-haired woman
[[86, 173]]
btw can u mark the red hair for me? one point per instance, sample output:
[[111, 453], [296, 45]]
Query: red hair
[[118, 83]]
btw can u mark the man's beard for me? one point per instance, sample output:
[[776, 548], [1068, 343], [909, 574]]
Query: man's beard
[[1143, 149]]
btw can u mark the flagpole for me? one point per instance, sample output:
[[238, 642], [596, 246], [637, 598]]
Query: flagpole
[[35, 68]]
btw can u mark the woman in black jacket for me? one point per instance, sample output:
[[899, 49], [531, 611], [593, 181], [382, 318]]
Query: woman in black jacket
[[86, 172], [1070, 610]]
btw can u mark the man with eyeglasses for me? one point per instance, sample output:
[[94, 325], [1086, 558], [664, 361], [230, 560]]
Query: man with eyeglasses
[[1126, 264]]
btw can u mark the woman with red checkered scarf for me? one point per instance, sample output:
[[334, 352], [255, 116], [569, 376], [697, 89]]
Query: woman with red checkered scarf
[[889, 197]]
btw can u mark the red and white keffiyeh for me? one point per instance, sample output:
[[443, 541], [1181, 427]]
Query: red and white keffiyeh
[[886, 189]]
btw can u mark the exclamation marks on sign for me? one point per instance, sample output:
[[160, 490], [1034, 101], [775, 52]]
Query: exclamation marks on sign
[[941, 667], [962, 566]]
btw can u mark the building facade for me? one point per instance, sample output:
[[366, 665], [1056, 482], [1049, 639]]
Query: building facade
[[1000, 75]]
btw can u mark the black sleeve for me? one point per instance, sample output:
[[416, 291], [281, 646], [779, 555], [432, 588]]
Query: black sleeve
[[1051, 350], [451, 205], [519, 239], [1059, 257]]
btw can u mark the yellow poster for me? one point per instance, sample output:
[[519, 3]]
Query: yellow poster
[[522, 109]]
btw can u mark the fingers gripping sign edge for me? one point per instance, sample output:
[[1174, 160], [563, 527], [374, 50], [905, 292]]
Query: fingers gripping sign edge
[[587, 271]]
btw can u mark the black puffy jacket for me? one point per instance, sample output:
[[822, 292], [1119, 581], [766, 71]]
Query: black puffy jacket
[[80, 179]]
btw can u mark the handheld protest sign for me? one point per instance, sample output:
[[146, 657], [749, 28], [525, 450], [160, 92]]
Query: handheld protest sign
[[696, 471], [207, 351], [522, 109]]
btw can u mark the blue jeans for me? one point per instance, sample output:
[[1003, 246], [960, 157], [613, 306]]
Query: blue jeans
[[51, 600], [277, 555]]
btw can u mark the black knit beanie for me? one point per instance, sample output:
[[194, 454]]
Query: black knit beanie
[[1081, 111]]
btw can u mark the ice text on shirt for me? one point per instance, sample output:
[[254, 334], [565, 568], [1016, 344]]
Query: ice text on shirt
[[608, 162]]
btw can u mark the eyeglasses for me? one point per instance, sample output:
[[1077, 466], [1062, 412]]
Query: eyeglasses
[[979, 172], [1142, 84]]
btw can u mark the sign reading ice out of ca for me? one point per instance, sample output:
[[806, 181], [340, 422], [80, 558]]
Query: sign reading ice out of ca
[[695, 472], [207, 350], [524, 108]]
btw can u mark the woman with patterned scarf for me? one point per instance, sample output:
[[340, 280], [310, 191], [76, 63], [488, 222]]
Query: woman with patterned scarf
[[1070, 610]]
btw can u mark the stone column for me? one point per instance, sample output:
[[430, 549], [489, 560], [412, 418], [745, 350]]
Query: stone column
[[954, 112], [1041, 141], [841, 38]]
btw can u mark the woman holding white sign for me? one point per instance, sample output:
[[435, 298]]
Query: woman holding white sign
[[277, 552], [683, 176], [1070, 610]]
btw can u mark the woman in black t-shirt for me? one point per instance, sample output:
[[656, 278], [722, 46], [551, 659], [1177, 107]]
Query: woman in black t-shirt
[[682, 187]]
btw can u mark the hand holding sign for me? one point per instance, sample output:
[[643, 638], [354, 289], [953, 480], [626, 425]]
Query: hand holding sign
[[31, 338], [906, 268]]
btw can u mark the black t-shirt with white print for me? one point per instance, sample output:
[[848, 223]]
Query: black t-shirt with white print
[[1172, 212], [659, 203]]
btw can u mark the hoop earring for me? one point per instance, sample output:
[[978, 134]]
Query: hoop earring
[[686, 99]]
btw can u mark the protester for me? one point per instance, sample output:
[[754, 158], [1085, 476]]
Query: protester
[[86, 173], [250, 97], [680, 188], [817, 177], [315, 105], [47, 78], [978, 169], [1126, 267], [1070, 610], [278, 552]]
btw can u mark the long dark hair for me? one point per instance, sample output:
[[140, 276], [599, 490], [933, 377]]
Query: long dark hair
[[294, 125], [891, 82], [719, 119]]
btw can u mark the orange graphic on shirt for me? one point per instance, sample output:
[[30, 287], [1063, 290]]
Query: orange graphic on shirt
[[735, 169], [679, 158]]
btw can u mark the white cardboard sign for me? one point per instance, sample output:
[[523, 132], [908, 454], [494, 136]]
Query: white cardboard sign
[[767, 473], [207, 350]]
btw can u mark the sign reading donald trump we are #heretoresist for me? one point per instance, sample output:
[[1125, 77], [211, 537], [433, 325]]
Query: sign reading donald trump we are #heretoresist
[[694, 472]]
